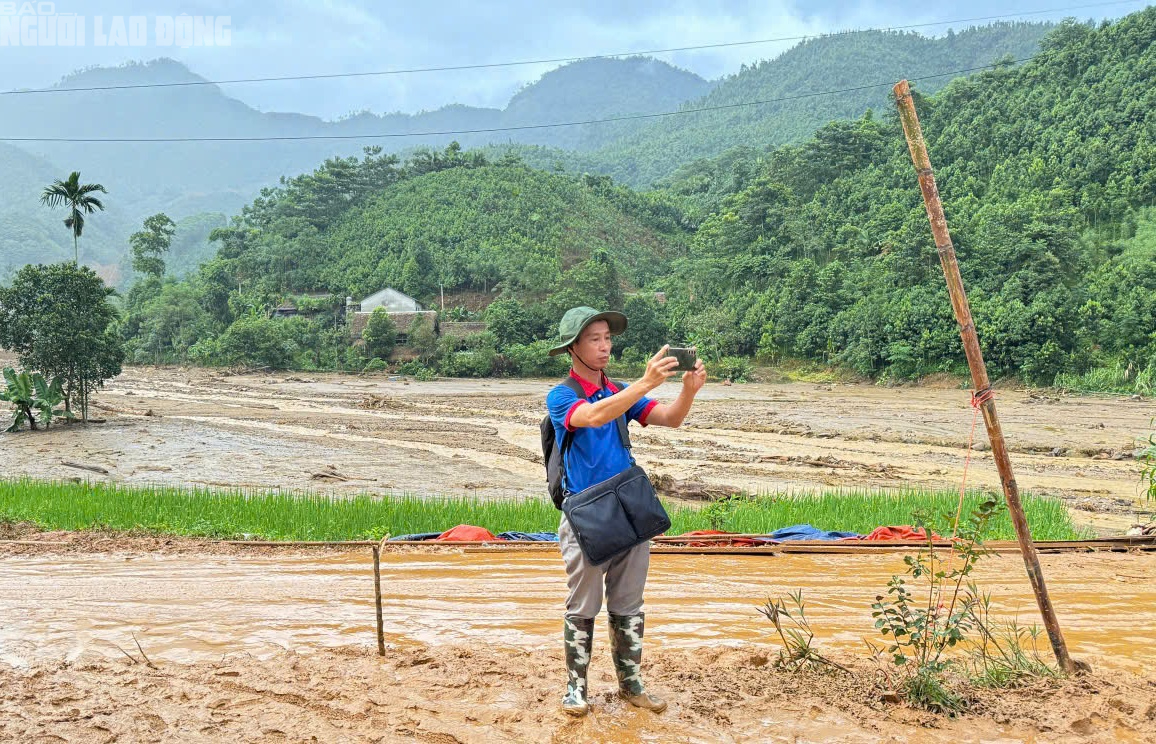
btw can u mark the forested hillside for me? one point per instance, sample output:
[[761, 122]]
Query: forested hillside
[[649, 151], [438, 220], [1046, 171]]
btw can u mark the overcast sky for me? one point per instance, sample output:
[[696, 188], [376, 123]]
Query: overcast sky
[[296, 37]]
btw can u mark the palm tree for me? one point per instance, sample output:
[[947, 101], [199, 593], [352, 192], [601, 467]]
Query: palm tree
[[79, 200]]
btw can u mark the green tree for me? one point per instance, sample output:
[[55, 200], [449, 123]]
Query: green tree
[[647, 330], [150, 244], [380, 334], [59, 320], [508, 320], [422, 339], [254, 340], [172, 322], [80, 201]]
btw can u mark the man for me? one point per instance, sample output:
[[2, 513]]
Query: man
[[596, 454]]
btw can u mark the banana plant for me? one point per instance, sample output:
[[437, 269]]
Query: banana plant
[[20, 391], [49, 395]]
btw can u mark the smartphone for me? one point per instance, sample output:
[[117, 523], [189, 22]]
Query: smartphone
[[687, 358]]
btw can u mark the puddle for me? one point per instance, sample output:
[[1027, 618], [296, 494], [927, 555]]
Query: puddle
[[192, 608]]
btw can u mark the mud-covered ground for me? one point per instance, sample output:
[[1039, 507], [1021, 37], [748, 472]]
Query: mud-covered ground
[[469, 694], [348, 434]]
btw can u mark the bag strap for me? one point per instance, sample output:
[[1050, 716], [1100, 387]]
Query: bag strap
[[568, 437]]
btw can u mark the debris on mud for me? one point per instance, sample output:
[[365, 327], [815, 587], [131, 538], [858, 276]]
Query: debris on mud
[[330, 474], [380, 402], [690, 490], [82, 466]]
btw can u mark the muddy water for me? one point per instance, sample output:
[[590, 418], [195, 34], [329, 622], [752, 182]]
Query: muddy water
[[188, 608]]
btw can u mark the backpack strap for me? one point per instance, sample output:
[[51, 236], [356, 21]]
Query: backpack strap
[[568, 436]]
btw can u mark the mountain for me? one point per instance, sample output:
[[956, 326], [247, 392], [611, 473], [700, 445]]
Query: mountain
[[454, 219], [653, 150], [184, 179]]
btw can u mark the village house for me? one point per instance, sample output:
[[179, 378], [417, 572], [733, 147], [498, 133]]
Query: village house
[[404, 311]]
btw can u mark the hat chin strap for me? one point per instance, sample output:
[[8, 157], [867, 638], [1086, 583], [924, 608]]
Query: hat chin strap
[[585, 363]]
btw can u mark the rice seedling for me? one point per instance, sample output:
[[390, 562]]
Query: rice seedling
[[282, 515]]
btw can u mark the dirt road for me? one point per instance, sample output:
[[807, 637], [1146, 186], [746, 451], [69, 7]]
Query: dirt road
[[202, 427], [273, 647]]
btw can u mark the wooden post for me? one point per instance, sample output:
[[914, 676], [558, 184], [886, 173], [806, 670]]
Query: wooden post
[[377, 598], [959, 303]]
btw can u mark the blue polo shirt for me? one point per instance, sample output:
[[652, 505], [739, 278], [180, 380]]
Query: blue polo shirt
[[595, 454]]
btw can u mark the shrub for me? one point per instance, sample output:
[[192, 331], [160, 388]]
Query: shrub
[[920, 629], [735, 369], [479, 363], [1148, 458], [417, 370], [376, 365], [532, 360]]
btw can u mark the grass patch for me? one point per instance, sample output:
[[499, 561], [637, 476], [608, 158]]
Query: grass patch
[[279, 515], [1116, 379]]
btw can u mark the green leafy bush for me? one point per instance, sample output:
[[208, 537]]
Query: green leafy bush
[[735, 369], [376, 365], [1148, 460], [532, 360], [478, 363], [417, 370], [920, 628], [257, 341]]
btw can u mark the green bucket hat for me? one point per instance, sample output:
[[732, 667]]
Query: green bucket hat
[[577, 319]]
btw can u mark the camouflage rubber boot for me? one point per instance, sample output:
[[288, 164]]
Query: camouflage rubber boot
[[578, 633], [626, 647]]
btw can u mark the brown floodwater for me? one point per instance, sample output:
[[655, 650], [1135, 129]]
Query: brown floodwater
[[199, 607]]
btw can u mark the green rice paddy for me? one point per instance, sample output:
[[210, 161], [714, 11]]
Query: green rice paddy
[[280, 515]]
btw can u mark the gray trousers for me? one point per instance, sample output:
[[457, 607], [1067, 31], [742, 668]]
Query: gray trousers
[[622, 579]]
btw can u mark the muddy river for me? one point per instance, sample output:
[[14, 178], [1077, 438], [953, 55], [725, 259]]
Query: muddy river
[[193, 608]]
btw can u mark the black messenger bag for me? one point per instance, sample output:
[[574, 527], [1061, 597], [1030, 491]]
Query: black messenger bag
[[611, 517]]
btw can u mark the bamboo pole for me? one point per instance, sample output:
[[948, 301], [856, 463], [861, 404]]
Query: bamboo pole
[[377, 593], [377, 599], [984, 399]]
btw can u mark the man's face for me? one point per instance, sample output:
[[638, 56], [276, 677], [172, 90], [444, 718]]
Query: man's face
[[594, 344]]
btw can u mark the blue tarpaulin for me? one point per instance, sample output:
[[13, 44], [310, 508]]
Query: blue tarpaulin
[[806, 532], [530, 536], [418, 536]]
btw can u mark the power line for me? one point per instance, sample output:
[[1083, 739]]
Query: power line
[[556, 60], [493, 130]]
